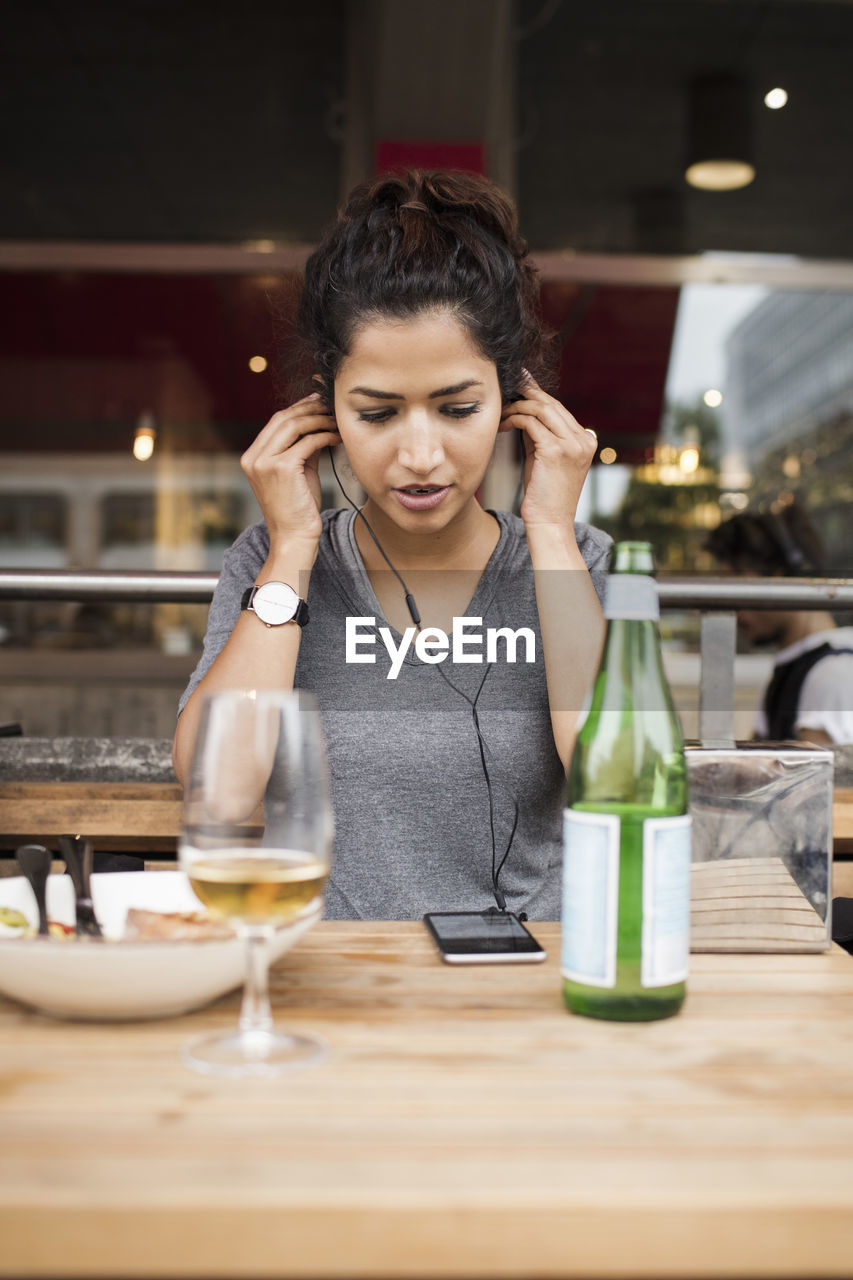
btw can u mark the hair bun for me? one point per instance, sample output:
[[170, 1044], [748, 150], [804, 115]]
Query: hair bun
[[462, 254]]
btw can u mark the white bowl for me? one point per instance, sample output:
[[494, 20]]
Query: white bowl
[[121, 981]]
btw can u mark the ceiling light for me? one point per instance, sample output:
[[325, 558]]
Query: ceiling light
[[720, 175], [775, 99], [607, 456], [713, 398], [144, 438], [719, 135], [258, 364]]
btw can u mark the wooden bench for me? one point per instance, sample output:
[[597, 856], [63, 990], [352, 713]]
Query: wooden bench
[[123, 817]]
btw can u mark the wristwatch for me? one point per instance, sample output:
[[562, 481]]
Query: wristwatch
[[276, 603]]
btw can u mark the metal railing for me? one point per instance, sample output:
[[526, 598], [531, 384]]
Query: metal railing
[[115, 586], [717, 599]]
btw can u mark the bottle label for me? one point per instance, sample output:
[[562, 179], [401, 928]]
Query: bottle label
[[631, 596], [666, 901], [590, 897], [590, 937]]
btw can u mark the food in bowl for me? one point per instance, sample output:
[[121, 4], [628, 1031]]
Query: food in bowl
[[173, 926], [140, 926], [136, 978], [14, 924]]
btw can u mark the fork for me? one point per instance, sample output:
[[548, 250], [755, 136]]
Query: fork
[[77, 852]]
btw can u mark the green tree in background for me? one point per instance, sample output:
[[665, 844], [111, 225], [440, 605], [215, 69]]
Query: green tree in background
[[666, 502]]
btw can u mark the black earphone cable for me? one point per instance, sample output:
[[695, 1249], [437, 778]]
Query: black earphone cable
[[497, 867], [410, 600], [484, 749]]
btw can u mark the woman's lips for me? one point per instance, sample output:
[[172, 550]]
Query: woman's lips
[[421, 500]]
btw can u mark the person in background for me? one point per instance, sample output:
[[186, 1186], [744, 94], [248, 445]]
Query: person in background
[[810, 695]]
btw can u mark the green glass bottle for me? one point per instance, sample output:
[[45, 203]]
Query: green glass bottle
[[626, 866]]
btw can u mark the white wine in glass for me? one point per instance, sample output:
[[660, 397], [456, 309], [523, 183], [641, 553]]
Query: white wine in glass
[[241, 885], [255, 843]]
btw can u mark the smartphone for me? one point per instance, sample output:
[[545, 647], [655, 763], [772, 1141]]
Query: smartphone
[[482, 937]]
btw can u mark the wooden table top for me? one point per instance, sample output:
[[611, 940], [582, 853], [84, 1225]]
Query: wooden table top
[[463, 1124]]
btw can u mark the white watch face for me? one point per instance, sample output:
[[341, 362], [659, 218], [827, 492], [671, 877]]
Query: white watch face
[[275, 603]]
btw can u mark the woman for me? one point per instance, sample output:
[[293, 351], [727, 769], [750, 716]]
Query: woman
[[447, 757]]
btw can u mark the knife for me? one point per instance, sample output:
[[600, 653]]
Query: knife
[[34, 860], [77, 852]]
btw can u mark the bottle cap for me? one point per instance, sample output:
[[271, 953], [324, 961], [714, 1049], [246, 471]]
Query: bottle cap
[[632, 597]]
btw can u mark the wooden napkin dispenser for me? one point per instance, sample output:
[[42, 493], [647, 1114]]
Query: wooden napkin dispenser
[[762, 847]]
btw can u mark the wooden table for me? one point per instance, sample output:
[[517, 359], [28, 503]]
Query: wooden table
[[463, 1125], [842, 818]]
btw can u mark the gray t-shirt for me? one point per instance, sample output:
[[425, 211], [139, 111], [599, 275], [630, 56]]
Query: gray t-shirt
[[410, 796]]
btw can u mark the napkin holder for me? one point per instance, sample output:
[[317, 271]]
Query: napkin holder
[[762, 846]]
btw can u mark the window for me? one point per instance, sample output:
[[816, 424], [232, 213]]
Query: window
[[32, 529]]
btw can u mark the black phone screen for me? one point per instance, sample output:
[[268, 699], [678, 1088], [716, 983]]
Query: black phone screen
[[474, 936]]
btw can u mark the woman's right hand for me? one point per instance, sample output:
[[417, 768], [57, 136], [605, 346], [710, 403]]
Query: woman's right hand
[[281, 466]]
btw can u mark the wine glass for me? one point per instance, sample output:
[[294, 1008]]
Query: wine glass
[[255, 843]]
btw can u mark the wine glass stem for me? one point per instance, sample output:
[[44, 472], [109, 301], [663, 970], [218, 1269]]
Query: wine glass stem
[[255, 1012]]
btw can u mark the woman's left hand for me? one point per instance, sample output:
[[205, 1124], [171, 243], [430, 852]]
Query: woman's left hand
[[558, 455]]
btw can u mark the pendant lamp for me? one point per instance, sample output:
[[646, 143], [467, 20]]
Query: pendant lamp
[[719, 134]]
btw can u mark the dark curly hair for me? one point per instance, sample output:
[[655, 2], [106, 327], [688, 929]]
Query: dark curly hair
[[419, 242]]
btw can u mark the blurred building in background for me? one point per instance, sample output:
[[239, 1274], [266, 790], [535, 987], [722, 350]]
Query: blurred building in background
[[790, 401]]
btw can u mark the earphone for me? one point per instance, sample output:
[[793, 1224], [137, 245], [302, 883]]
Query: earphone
[[414, 613]]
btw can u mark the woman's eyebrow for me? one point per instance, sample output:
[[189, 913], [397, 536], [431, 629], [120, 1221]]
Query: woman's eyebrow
[[376, 395], [433, 395], [451, 391]]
